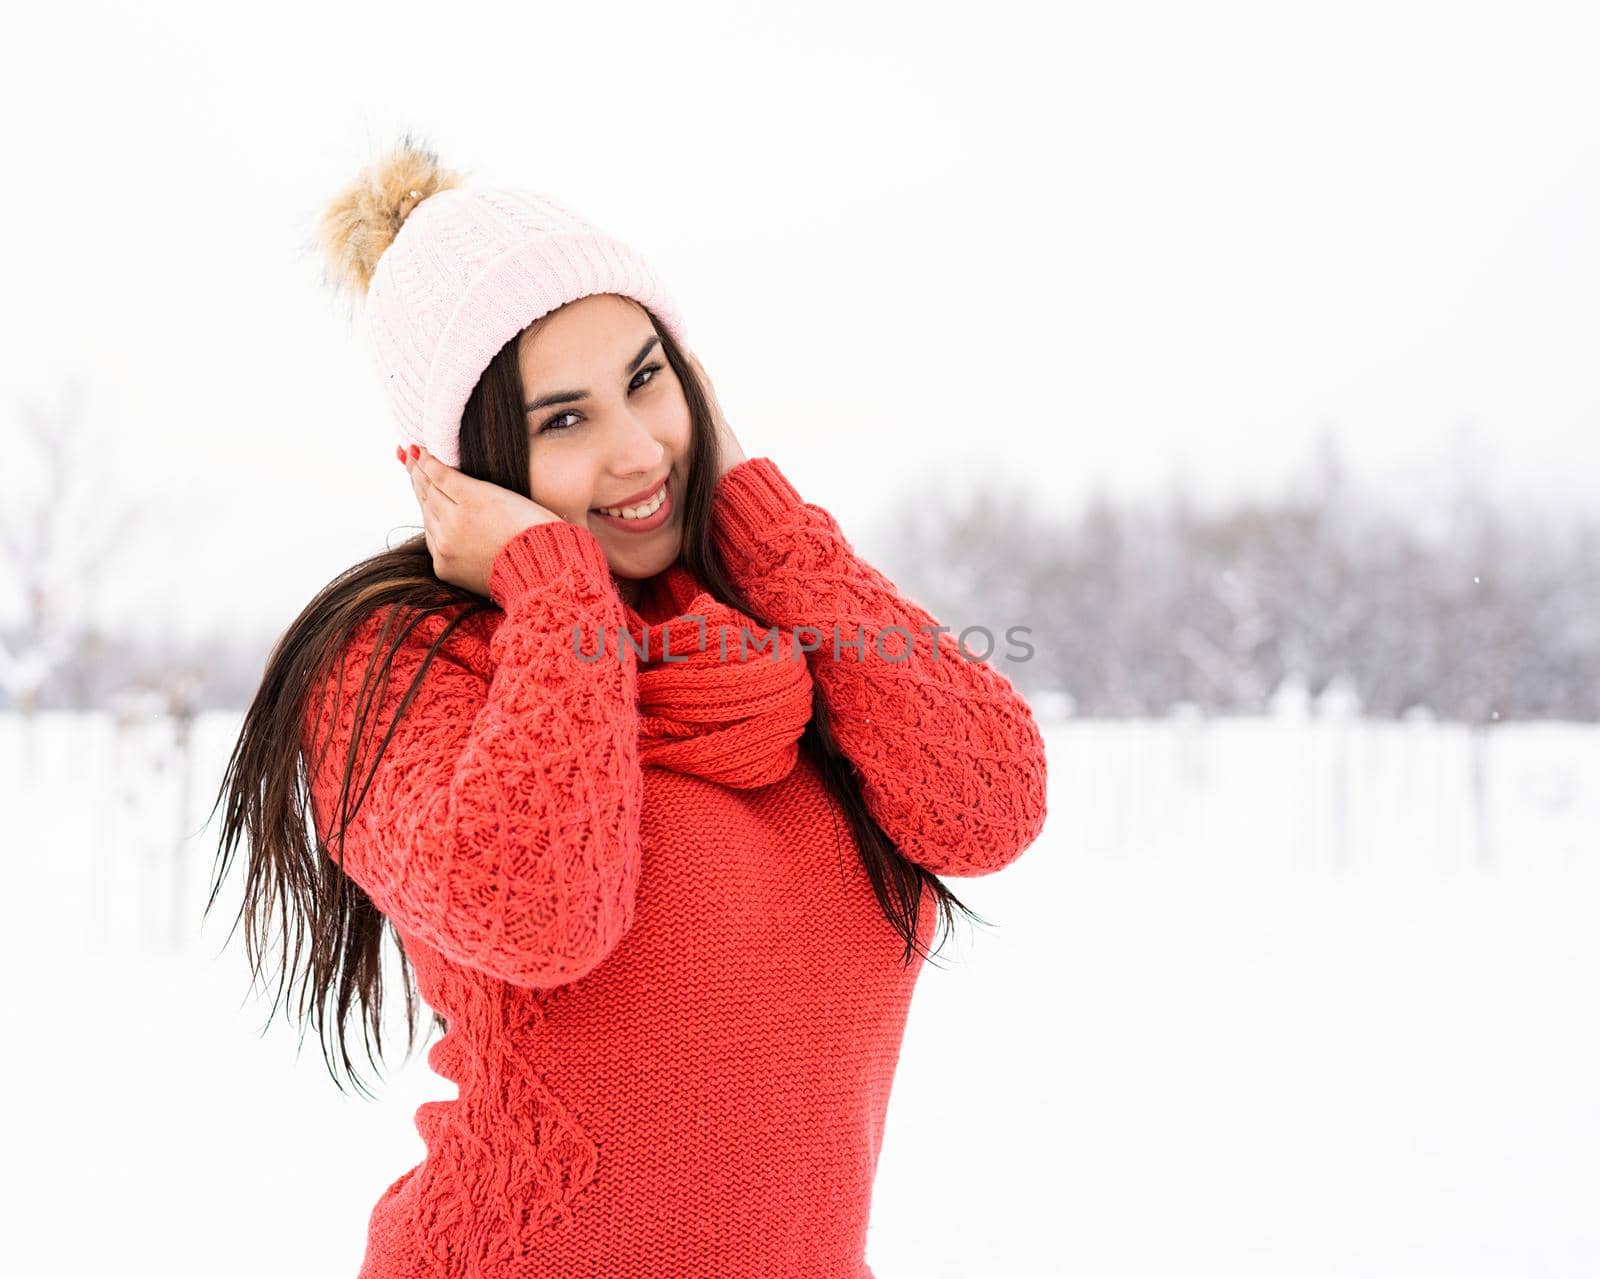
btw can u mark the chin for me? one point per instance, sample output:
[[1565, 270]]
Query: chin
[[645, 564]]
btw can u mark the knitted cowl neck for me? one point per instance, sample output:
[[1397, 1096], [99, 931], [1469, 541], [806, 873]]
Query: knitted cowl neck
[[731, 721]]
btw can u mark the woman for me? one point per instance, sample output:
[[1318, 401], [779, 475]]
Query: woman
[[643, 837]]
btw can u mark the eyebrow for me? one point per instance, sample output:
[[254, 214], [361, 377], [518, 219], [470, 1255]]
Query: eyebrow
[[567, 397]]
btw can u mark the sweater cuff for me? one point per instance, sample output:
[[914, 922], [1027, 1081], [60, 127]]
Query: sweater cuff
[[541, 554], [752, 498]]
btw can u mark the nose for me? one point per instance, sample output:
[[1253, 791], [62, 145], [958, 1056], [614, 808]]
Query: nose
[[636, 452]]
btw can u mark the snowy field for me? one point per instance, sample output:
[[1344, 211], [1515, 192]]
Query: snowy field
[[1268, 998]]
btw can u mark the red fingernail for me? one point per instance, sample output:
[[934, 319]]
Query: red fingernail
[[399, 454], [416, 452]]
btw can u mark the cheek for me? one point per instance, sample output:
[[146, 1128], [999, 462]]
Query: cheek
[[557, 485], [676, 427]]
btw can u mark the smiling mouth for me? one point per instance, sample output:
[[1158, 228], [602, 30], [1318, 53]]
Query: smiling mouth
[[639, 510]]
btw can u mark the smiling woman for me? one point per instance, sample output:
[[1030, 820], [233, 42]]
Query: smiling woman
[[615, 445], [606, 877]]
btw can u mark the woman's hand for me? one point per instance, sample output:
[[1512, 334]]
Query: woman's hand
[[729, 454], [466, 521]]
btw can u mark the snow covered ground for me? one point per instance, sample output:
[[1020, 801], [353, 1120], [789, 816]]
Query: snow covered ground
[[1268, 998]]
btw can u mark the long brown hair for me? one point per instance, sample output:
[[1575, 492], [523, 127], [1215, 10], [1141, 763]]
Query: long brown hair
[[332, 928]]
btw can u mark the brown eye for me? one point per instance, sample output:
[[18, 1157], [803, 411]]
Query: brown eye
[[550, 424]]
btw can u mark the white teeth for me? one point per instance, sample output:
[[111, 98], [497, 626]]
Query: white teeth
[[638, 512]]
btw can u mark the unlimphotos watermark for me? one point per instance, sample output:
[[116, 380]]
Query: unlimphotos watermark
[[801, 645]]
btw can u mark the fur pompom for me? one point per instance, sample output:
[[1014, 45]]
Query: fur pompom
[[363, 219]]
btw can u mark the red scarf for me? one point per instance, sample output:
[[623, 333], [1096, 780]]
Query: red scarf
[[731, 721]]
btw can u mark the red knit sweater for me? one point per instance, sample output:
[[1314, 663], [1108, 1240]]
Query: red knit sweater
[[675, 1007]]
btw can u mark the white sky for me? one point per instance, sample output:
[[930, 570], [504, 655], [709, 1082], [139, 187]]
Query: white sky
[[1068, 244]]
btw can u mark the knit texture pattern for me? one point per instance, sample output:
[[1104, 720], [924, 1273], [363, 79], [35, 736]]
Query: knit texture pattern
[[675, 1007], [709, 703]]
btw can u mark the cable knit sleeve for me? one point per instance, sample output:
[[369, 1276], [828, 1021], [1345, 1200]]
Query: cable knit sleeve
[[951, 761], [502, 824]]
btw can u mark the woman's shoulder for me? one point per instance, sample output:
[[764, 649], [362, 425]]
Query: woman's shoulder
[[456, 633]]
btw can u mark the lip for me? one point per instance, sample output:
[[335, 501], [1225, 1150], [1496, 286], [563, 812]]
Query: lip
[[637, 497], [649, 524]]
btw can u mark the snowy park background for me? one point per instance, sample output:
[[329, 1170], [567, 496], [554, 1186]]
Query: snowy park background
[[1289, 995], [1244, 351]]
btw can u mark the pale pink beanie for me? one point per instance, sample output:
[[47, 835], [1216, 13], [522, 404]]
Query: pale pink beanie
[[452, 273]]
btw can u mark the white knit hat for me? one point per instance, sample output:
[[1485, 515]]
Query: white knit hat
[[460, 272]]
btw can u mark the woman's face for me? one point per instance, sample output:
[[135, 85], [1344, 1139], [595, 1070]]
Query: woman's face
[[607, 421]]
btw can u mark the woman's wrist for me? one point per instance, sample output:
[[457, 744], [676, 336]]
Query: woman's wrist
[[728, 458]]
